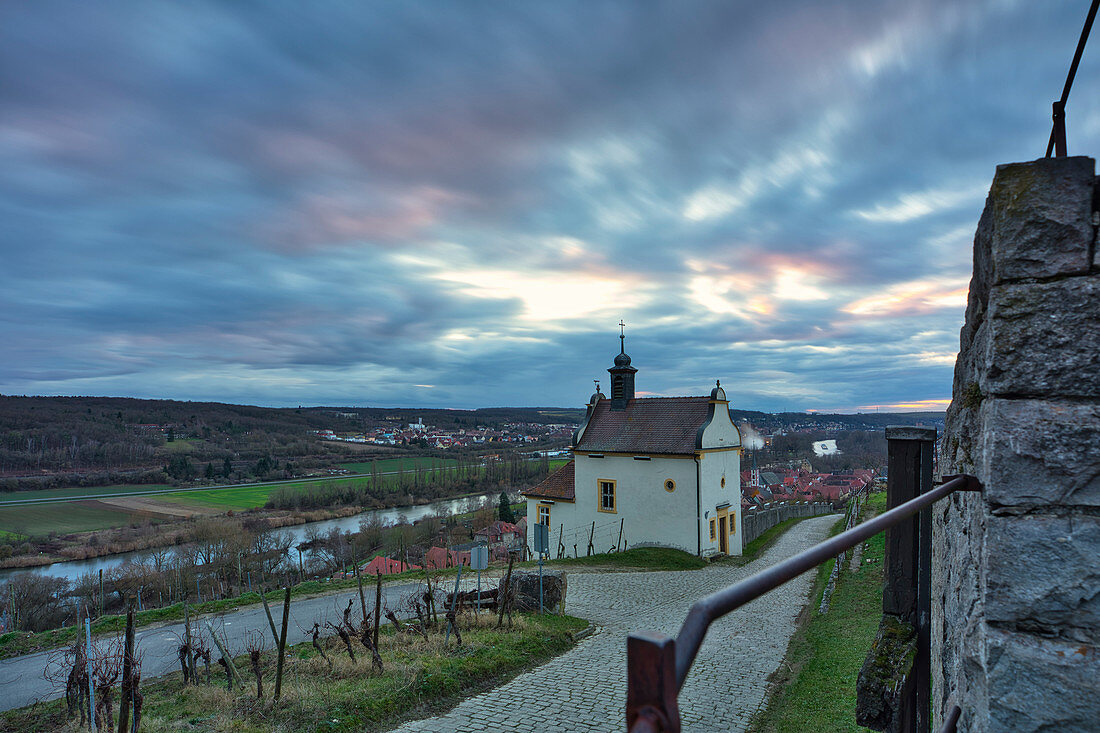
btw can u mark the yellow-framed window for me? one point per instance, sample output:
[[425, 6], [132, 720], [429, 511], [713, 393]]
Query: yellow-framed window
[[713, 531], [733, 523], [605, 495], [544, 514]]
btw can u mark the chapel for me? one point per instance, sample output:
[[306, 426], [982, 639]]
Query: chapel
[[646, 471]]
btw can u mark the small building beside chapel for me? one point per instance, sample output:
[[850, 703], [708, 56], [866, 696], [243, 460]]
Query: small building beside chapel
[[663, 471]]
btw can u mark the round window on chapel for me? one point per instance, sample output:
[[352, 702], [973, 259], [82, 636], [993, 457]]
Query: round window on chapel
[[670, 485]]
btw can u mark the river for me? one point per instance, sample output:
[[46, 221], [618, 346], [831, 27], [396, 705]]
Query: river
[[73, 569]]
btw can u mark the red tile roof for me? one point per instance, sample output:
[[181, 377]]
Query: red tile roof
[[647, 425], [558, 485], [438, 558], [386, 566], [497, 529]]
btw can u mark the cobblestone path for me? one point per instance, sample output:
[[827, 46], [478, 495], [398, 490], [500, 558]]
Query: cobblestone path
[[585, 688]]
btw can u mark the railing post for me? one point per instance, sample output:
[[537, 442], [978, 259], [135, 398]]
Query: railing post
[[651, 688], [908, 590]]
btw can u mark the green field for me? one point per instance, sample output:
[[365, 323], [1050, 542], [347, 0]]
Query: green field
[[41, 519], [82, 491], [245, 497], [182, 445], [397, 464]]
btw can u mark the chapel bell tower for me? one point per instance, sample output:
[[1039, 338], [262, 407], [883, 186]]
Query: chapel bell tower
[[622, 375]]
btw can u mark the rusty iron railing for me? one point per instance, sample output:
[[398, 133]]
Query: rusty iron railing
[[951, 722], [658, 665], [1057, 142]]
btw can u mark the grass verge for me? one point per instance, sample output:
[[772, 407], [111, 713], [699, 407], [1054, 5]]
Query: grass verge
[[815, 687], [636, 558], [754, 549], [422, 677], [663, 558]]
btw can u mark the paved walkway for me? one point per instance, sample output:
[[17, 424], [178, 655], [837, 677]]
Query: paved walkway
[[585, 689]]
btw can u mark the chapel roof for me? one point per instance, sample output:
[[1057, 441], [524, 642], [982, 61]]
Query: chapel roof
[[646, 425], [558, 485]]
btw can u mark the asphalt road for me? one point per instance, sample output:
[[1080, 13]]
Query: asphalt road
[[23, 680]]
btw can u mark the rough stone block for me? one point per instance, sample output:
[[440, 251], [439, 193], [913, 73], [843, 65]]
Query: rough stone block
[[1044, 574], [1044, 339], [1041, 218], [527, 590], [1038, 684], [1040, 452], [957, 593]]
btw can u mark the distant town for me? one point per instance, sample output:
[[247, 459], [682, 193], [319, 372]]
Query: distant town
[[431, 436]]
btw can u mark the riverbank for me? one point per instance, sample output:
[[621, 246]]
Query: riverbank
[[161, 521]]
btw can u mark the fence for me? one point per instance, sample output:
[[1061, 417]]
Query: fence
[[658, 665], [755, 522]]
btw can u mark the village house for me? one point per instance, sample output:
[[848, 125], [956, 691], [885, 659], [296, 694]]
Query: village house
[[498, 532], [659, 471]]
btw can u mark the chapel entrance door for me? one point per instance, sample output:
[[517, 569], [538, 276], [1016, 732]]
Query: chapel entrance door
[[723, 533]]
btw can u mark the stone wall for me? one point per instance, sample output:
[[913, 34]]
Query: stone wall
[[756, 522], [1016, 569]]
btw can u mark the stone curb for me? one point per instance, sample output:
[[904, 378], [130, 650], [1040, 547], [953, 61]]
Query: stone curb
[[587, 631]]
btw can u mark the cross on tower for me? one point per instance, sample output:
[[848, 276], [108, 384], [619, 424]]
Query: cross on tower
[[622, 337]]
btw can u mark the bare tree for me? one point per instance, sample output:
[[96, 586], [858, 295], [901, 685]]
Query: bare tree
[[344, 637], [317, 643], [70, 666], [106, 665], [255, 646]]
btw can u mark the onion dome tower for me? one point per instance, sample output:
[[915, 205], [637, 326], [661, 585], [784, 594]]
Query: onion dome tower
[[622, 375]]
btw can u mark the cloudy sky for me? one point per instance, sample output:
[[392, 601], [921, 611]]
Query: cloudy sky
[[454, 203]]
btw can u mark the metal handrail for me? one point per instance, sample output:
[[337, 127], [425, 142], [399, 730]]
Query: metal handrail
[[951, 722], [707, 610]]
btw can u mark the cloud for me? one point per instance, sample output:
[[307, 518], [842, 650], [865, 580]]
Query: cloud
[[283, 206], [916, 205], [916, 297]]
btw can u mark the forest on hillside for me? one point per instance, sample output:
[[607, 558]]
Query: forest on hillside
[[88, 441]]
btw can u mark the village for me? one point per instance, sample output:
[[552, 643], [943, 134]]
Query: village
[[418, 433]]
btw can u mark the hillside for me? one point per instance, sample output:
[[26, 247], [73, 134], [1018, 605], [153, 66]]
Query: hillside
[[104, 440]]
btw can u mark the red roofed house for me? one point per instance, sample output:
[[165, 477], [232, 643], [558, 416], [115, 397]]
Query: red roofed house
[[665, 469], [498, 532], [438, 558], [386, 566]]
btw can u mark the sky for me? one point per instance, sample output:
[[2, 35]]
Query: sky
[[453, 204]]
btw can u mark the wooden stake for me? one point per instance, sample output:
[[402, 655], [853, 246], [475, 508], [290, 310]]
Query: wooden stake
[[189, 659], [362, 598], [127, 671], [270, 621], [377, 608], [282, 646], [234, 675], [502, 594]]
